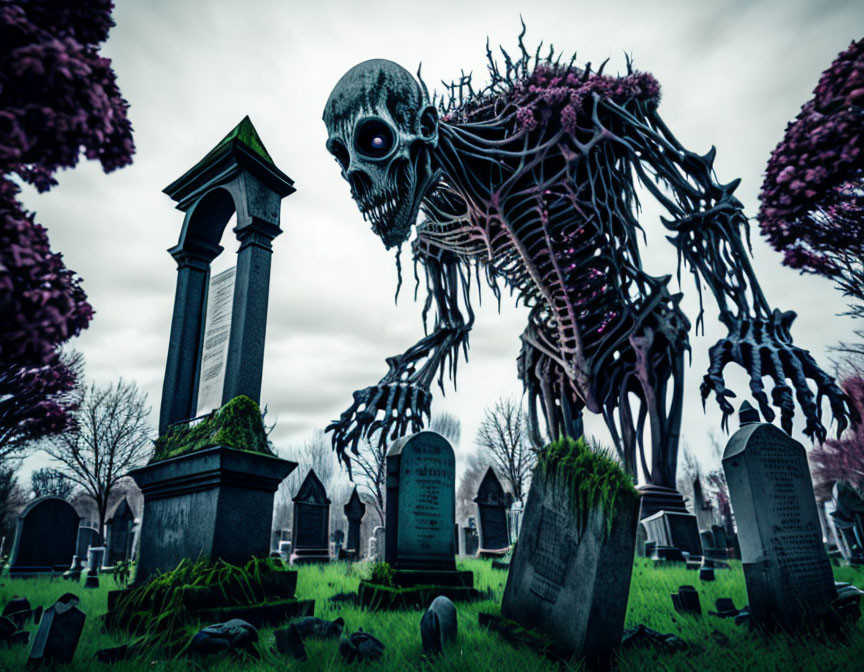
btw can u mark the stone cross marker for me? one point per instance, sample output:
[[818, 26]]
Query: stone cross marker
[[786, 569], [421, 503], [45, 536], [311, 526], [492, 503], [354, 512]]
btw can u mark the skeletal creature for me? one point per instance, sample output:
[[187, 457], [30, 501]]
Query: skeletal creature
[[532, 180]]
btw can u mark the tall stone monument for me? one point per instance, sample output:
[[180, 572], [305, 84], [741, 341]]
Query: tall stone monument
[[216, 501], [237, 176], [354, 512], [492, 503], [311, 525], [786, 568]]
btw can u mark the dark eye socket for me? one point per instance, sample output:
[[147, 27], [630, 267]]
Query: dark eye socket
[[339, 150], [374, 139]]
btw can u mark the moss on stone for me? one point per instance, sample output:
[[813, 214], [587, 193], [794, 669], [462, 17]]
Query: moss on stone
[[238, 424], [591, 474]]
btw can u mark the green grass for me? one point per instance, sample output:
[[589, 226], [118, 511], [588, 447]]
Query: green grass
[[715, 644]]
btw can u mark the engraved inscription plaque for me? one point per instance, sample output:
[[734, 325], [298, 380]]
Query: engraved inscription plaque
[[217, 332], [549, 560]]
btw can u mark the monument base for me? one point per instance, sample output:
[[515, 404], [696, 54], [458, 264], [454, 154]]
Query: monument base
[[503, 565], [517, 634], [311, 556], [492, 553], [378, 597], [212, 503], [408, 578]]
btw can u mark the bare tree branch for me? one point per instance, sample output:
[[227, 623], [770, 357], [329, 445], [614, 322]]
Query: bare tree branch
[[503, 437], [112, 434]]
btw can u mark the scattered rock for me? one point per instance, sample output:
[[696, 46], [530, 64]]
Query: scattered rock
[[69, 598], [318, 628], [360, 646], [92, 581], [22, 638], [848, 602], [438, 626], [113, 655], [228, 637], [706, 574], [18, 609], [725, 608], [642, 635], [289, 642], [686, 601], [7, 629]]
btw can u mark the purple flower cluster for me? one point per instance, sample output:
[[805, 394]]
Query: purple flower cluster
[[566, 93], [812, 198], [58, 99], [843, 458]]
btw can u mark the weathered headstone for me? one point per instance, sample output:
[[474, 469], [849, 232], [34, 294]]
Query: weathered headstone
[[59, 631], [87, 537], [702, 509], [421, 484], [570, 573], [470, 540], [438, 627], [786, 569], [379, 532], [120, 533], [354, 512], [45, 537], [848, 519], [516, 511], [311, 522], [492, 503], [95, 559], [676, 529]]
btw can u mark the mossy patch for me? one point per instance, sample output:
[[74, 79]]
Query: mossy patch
[[593, 477], [163, 607], [238, 424]]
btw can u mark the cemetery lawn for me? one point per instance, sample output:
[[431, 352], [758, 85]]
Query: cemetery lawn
[[714, 643]]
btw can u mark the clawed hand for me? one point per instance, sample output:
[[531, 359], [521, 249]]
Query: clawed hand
[[393, 409], [764, 347]]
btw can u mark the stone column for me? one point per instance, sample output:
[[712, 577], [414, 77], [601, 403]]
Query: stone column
[[180, 389], [249, 316]]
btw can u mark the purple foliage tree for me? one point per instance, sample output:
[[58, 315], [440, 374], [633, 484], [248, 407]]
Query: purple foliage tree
[[813, 194], [843, 458], [59, 99]]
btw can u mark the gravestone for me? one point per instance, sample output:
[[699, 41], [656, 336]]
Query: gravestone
[[380, 536], [675, 529], [492, 503], [516, 511], [311, 522], [470, 540], [570, 572], [786, 569], [848, 519], [120, 533], [701, 509], [421, 503], [58, 634], [45, 536], [354, 512], [87, 537]]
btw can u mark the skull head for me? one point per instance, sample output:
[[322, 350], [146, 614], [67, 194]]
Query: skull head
[[382, 131]]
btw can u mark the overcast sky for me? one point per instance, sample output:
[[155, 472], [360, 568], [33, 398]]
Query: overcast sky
[[732, 75]]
